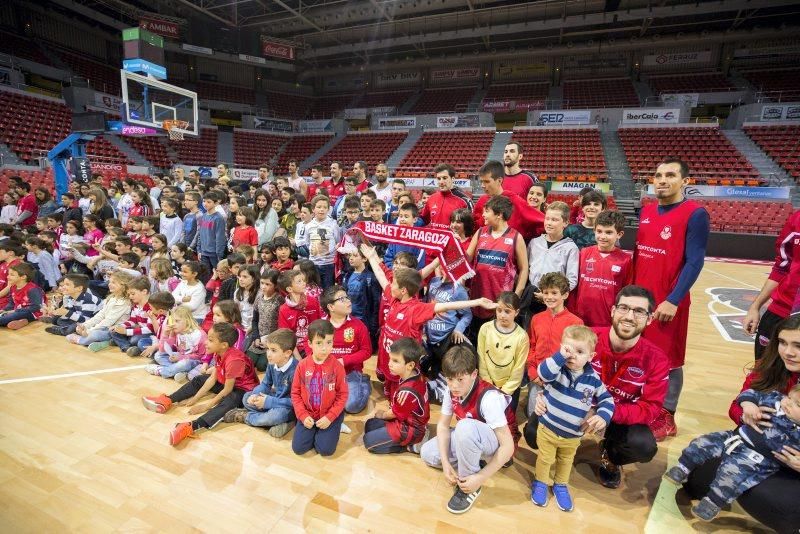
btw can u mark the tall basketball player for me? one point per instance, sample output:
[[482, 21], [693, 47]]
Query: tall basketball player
[[669, 255]]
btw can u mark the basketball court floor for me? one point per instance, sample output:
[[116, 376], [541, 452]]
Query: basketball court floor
[[78, 452]]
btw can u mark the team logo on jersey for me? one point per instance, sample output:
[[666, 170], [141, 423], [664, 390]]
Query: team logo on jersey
[[616, 268], [508, 241], [646, 220], [400, 316], [666, 233], [349, 335], [590, 265], [302, 322], [635, 372]]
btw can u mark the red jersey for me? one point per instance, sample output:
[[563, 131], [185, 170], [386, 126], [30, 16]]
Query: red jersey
[[528, 221], [297, 318], [335, 190], [138, 210], [411, 410], [495, 265], [386, 295], [23, 298], [351, 344], [519, 183], [786, 269], [637, 379], [288, 265], [363, 186], [658, 260], [244, 235], [601, 277], [313, 188], [235, 364], [441, 204], [469, 407], [28, 203], [405, 319], [4, 267]]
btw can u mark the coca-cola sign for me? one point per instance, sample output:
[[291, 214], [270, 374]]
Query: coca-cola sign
[[279, 50], [160, 27]]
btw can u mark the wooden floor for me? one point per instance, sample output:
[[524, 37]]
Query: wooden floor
[[79, 453]]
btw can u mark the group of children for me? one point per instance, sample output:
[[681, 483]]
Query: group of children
[[211, 303]]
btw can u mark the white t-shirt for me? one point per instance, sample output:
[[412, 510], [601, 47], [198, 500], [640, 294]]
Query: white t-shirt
[[384, 194], [492, 409]]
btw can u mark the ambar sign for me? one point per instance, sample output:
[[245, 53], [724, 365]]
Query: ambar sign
[[160, 27]]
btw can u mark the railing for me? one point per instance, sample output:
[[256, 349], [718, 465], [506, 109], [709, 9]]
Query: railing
[[790, 95]]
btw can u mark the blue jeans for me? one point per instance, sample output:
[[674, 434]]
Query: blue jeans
[[124, 342], [169, 369], [15, 315], [323, 441], [210, 259], [358, 390], [266, 418], [65, 326], [98, 334], [377, 439], [326, 275]]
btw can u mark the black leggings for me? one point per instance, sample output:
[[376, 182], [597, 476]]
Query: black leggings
[[773, 503], [626, 444], [214, 415]]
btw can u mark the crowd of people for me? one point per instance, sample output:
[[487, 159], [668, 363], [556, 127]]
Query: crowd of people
[[214, 281]]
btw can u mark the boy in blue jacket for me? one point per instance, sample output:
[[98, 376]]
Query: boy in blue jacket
[[212, 232], [270, 404]]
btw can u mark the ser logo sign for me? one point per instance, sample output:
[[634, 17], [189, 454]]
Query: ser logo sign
[[727, 309]]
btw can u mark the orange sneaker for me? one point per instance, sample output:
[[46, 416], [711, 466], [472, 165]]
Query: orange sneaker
[[664, 426], [180, 433], [16, 325], [158, 404]]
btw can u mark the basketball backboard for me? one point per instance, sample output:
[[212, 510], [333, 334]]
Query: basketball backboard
[[148, 102]]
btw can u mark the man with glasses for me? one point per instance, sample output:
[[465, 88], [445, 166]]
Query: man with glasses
[[634, 371], [669, 255]]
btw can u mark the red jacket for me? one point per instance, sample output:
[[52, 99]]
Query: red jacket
[[735, 411], [441, 204], [244, 235], [524, 219], [786, 269], [334, 389], [545, 333], [637, 379]]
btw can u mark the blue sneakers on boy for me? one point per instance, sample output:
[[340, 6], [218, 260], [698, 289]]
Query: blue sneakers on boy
[[539, 493], [563, 498]]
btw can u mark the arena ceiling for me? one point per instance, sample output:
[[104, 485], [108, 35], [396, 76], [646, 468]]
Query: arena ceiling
[[340, 33]]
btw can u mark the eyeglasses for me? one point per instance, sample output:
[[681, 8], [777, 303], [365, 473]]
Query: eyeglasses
[[639, 313], [342, 299]]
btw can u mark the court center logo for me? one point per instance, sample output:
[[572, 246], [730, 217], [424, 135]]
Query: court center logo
[[727, 309]]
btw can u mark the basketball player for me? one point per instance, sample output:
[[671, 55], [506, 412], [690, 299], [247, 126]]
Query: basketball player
[[516, 180], [297, 182], [669, 255]]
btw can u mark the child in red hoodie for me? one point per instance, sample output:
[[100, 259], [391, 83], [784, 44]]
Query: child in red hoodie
[[319, 393], [299, 310]]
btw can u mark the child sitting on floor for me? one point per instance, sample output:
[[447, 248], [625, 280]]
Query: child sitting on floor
[[181, 345], [95, 332], [25, 305], [79, 305]]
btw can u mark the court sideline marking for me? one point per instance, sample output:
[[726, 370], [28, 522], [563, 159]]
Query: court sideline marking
[[70, 375], [712, 271]]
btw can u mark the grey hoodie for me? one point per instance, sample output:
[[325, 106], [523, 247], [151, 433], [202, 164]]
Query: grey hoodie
[[562, 257]]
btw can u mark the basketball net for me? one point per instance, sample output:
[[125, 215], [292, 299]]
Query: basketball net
[[172, 127]]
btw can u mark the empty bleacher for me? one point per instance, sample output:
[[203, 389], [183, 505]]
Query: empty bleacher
[[690, 83], [31, 126], [326, 107], [602, 93], [287, 106], [563, 153], [100, 150], [779, 85], [23, 48], [252, 149], [372, 147], [101, 77], [383, 99], [466, 150], [299, 148], [514, 91], [781, 143], [712, 159], [46, 178], [200, 150], [745, 217], [152, 148], [225, 93], [444, 100]]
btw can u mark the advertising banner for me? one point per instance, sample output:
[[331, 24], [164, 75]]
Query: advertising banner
[[575, 187], [108, 102], [275, 49], [439, 76], [684, 58], [395, 79], [82, 170], [160, 27], [197, 49], [314, 125], [108, 167], [253, 59], [355, 113], [458, 121], [507, 106], [244, 174], [565, 117], [650, 116], [505, 70], [680, 99], [278, 125], [396, 123], [789, 112], [724, 191], [382, 110]]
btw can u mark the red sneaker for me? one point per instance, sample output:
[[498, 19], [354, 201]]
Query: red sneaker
[[158, 404], [16, 325], [664, 426], [180, 433]]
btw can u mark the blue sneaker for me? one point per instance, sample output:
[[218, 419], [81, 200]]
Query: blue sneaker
[[539, 493], [563, 498]]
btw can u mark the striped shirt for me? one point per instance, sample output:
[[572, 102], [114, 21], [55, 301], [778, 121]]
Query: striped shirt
[[570, 397], [85, 306]]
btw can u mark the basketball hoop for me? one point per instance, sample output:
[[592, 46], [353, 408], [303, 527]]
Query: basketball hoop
[[173, 127]]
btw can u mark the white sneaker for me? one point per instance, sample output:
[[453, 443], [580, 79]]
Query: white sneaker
[[345, 429]]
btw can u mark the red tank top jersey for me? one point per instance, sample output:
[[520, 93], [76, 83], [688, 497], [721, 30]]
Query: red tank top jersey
[[411, 410], [20, 297], [469, 407], [660, 245], [601, 277], [785, 269], [405, 319], [335, 190], [495, 266], [313, 188], [519, 183]]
